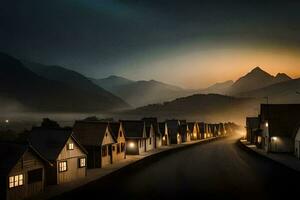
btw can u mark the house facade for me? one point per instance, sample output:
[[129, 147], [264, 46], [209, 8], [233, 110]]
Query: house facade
[[120, 146], [67, 156], [185, 132], [194, 130], [135, 136], [278, 124], [173, 129], [152, 121], [164, 131], [97, 139], [22, 172]]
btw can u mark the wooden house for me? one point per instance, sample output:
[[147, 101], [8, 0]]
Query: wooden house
[[97, 139], [173, 131], [59, 146], [185, 132], [22, 171], [135, 136], [165, 136], [152, 121], [118, 133], [279, 123], [194, 130]]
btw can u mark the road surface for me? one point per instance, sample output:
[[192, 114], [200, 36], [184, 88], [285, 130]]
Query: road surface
[[217, 170]]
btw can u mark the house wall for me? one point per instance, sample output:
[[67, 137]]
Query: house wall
[[122, 154], [158, 141], [150, 142], [282, 145], [108, 141], [73, 170], [28, 162], [106, 160]]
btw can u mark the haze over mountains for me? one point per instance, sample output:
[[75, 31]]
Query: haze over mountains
[[50, 89], [141, 93]]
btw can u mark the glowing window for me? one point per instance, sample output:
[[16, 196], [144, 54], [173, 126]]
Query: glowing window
[[63, 166], [82, 162], [15, 181], [70, 146]]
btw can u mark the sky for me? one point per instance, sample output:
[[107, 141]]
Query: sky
[[188, 43]]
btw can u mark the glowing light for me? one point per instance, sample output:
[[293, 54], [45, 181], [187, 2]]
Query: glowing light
[[7, 121], [131, 145], [195, 134], [274, 138], [164, 138], [267, 124]]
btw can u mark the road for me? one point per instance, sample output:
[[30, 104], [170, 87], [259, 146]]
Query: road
[[217, 170]]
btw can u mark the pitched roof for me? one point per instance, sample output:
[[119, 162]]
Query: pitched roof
[[183, 129], [11, 153], [191, 125], [50, 141], [161, 127], [90, 133], [133, 128], [152, 121], [114, 128], [173, 127], [283, 119]]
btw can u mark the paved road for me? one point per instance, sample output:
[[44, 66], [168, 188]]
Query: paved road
[[217, 170]]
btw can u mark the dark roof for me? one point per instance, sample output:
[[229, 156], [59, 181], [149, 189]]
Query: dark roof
[[49, 142], [191, 125], [201, 127], [133, 128], [90, 133], [161, 127], [152, 120], [283, 119], [11, 153], [173, 127], [114, 128], [183, 129]]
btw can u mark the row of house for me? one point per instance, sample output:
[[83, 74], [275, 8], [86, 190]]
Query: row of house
[[53, 155], [276, 128]]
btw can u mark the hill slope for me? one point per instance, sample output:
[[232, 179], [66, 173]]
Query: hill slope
[[36, 93]]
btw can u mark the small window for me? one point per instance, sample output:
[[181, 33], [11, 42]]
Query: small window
[[35, 176], [105, 134], [118, 148], [104, 151], [70, 146], [82, 162], [122, 147], [63, 166], [15, 181]]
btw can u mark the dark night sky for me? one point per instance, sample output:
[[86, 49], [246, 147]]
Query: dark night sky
[[149, 38]]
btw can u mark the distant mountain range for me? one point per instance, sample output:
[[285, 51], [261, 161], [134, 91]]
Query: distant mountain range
[[218, 88], [140, 93], [34, 87]]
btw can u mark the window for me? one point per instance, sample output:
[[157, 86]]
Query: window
[[118, 148], [104, 151], [82, 162], [63, 166], [70, 146], [15, 181], [122, 147], [35, 176], [150, 141]]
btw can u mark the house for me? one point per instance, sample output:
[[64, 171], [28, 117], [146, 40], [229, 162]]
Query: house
[[185, 132], [194, 130], [252, 125], [279, 123], [202, 130], [173, 131], [165, 136], [22, 171], [157, 134], [60, 147], [97, 139], [118, 133], [297, 144], [135, 136]]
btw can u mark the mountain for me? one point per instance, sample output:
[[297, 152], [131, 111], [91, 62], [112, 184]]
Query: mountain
[[33, 92], [218, 88], [208, 107], [283, 92], [140, 93], [112, 82], [256, 79]]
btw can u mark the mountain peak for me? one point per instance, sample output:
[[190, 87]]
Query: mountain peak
[[283, 76], [258, 70]]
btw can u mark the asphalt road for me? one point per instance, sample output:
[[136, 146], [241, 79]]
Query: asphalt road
[[216, 170]]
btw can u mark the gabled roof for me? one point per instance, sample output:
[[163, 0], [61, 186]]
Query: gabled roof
[[183, 129], [133, 128], [173, 126], [49, 142], [161, 127], [283, 119], [191, 125], [90, 133], [114, 128], [11, 153], [152, 121]]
